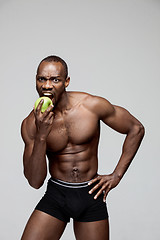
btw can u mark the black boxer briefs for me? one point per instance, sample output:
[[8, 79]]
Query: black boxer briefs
[[65, 200]]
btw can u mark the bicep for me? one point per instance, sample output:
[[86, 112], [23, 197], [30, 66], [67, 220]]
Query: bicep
[[120, 120], [115, 117]]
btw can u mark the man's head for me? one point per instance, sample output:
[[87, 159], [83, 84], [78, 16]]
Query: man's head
[[52, 77], [54, 58]]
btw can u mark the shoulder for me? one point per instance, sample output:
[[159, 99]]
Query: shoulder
[[28, 127], [96, 104], [99, 105], [78, 95]]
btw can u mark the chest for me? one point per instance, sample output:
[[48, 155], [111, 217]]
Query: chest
[[76, 127]]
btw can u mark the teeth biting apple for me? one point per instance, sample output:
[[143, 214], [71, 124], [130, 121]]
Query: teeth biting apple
[[47, 94]]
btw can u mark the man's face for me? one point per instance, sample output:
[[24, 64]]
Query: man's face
[[51, 81]]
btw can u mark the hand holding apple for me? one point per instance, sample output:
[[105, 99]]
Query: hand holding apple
[[46, 103], [43, 116]]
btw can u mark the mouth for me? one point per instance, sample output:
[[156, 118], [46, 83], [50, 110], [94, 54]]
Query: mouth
[[48, 94]]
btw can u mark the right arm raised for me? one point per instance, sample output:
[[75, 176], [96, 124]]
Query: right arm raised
[[35, 130]]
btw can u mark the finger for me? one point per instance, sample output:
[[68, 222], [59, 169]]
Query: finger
[[105, 195], [51, 115], [100, 191], [48, 111], [48, 119], [108, 189], [94, 188], [94, 180], [50, 108], [39, 106]]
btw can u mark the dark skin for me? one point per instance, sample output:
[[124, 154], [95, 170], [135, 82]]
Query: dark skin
[[68, 134]]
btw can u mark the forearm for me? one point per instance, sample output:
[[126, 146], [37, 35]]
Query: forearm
[[35, 167], [130, 147]]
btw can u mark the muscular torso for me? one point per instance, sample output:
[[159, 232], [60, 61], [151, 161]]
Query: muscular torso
[[73, 141]]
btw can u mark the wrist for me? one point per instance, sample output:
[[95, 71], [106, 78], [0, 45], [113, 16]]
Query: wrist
[[117, 175], [40, 137]]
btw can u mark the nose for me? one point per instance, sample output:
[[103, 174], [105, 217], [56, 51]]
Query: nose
[[47, 85]]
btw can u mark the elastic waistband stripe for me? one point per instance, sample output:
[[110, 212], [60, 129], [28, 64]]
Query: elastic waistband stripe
[[69, 184]]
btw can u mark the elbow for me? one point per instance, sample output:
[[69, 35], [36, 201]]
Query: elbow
[[139, 130], [142, 130], [35, 186], [33, 183]]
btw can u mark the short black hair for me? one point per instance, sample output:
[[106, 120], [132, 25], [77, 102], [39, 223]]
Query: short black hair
[[54, 58]]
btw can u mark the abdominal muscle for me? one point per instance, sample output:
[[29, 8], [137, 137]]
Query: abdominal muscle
[[77, 163]]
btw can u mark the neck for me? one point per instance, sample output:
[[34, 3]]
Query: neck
[[63, 103]]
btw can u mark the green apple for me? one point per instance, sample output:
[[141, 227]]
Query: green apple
[[46, 103]]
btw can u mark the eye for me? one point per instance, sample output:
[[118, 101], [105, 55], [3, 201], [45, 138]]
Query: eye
[[55, 80], [41, 79]]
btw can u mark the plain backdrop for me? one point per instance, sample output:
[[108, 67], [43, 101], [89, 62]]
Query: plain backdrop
[[113, 50]]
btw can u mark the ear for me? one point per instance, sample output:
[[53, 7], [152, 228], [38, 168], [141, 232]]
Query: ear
[[67, 82]]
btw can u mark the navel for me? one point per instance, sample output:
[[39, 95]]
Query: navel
[[75, 172]]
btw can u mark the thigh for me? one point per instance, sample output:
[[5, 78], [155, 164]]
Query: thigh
[[92, 230], [42, 226]]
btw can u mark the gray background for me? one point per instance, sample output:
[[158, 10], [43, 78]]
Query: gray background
[[113, 50]]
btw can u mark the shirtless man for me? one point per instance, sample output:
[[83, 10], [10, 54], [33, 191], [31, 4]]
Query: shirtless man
[[68, 134]]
